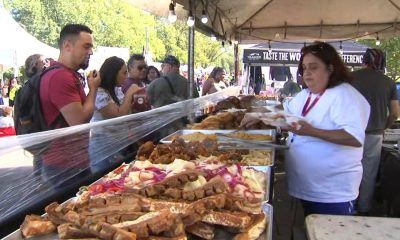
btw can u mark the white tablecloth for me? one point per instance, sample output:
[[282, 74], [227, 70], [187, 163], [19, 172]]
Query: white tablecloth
[[329, 227]]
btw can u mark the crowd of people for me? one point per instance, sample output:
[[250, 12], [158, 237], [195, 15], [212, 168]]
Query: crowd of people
[[118, 88], [334, 147]]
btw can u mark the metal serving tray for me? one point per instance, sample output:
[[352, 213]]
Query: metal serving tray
[[268, 210], [244, 147], [17, 234], [267, 172], [169, 138], [267, 235]]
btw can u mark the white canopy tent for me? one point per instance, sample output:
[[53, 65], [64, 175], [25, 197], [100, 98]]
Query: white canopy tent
[[16, 44], [258, 21]]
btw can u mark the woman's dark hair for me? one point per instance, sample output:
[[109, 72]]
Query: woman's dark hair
[[328, 55], [215, 71], [149, 68], [108, 74]]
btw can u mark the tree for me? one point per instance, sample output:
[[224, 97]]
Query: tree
[[115, 23]]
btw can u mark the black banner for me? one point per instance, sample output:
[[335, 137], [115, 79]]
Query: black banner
[[264, 56]]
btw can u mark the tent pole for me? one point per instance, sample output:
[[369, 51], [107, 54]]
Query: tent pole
[[191, 66], [191, 61], [236, 55]]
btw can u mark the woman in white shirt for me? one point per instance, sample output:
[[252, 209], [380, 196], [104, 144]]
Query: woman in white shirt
[[215, 82], [110, 101], [323, 163]]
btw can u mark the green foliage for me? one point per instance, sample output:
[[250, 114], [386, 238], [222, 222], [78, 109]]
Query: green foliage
[[391, 47], [116, 23]]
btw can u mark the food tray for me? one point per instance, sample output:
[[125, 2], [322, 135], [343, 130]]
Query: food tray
[[267, 171], [17, 235], [268, 210], [267, 235], [250, 147], [169, 138]]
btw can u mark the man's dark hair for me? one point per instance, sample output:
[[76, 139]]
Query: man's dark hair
[[133, 58], [72, 30], [172, 60]]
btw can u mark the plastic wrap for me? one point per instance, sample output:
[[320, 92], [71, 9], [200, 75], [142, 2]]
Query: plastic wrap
[[36, 166]]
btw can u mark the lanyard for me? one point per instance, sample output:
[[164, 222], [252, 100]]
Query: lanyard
[[306, 108]]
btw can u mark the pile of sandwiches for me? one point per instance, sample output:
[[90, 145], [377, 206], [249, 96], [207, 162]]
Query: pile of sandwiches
[[160, 211]]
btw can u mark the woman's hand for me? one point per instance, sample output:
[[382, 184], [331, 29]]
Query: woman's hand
[[301, 127], [133, 89], [248, 121]]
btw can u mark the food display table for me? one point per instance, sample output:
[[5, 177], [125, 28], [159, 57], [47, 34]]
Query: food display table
[[330, 227]]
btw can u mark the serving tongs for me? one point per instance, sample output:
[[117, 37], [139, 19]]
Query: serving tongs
[[234, 142]]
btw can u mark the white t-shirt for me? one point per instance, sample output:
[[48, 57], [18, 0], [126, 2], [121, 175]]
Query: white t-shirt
[[318, 170], [102, 100], [6, 122]]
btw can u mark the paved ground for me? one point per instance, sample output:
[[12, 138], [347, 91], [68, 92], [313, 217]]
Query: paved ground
[[288, 214]]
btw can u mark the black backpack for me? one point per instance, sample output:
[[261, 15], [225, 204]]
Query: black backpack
[[28, 114]]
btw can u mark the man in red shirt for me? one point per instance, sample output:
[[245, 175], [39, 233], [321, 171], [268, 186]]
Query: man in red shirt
[[64, 104], [61, 93]]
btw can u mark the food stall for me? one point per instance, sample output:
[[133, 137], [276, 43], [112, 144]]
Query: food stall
[[81, 165]]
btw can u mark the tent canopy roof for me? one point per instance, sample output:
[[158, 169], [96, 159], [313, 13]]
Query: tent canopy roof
[[347, 46], [255, 21], [16, 44]]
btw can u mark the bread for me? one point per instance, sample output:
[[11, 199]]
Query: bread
[[255, 229], [228, 219], [202, 230], [214, 186], [70, 231], [230, 102], [35, 225], [247, 101], [108, 232], [154, 223]]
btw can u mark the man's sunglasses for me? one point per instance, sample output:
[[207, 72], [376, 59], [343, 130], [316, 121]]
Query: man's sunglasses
[[141, 67]]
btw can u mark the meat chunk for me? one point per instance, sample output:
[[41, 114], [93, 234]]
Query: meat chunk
[[35, 225]]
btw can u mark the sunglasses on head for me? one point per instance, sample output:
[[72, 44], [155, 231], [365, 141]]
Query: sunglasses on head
[[141, 67], [315, 48]]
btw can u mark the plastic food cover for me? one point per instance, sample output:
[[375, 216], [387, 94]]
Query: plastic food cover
[[34, 167]]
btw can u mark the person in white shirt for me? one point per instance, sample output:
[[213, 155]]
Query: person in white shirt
[[323, 163], [110, 103]]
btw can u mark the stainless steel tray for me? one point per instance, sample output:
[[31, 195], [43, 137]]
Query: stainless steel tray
[[267, 235], [268, 210], [169, 138], [17, 235], [244, 147], [267, 171]]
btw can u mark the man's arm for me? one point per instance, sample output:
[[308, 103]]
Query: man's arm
[[206, 87], [394, 112], [75, 113], [339, 136]]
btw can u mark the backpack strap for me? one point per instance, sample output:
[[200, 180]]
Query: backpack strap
[[60, 120], [170, 85]]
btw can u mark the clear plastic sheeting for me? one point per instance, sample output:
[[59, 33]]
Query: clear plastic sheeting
[[37, 167]]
